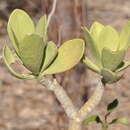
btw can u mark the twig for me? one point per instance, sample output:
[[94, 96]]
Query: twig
[[78, 15], [52, 12]]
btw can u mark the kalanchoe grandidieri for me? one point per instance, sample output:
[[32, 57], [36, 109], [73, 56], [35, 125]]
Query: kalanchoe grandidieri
[[107, 48], [40, 56]]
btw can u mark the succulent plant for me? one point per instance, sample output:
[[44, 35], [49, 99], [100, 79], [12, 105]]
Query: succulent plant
[[107, 48], [40, 56]]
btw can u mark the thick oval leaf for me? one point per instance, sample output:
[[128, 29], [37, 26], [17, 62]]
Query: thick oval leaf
[[125, 36], [108, 38], [49, 54], [95, 30], [91, 65], [112, 105], [31, 50], [9, 59], [112, 59], [69, 54], [41, 28], [92, 45], [20, 24]]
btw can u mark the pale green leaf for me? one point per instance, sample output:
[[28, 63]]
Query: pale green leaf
[[69, 54], [108, 38], [125, 36], [96, 29], [31, 50], [112, 59], [92, 45], [9, 59], [41, 28], [50, 53], [91, 65], [20, 24]]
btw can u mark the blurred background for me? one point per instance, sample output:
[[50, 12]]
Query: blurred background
[[25, 105]]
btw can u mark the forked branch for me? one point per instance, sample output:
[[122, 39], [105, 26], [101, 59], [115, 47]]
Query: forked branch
[[76, 117]]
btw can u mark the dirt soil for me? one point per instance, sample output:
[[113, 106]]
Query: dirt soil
[[26, 105]]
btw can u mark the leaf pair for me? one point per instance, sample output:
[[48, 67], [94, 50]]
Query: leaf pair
[[69, 54], [20, 25], [27, 40]]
